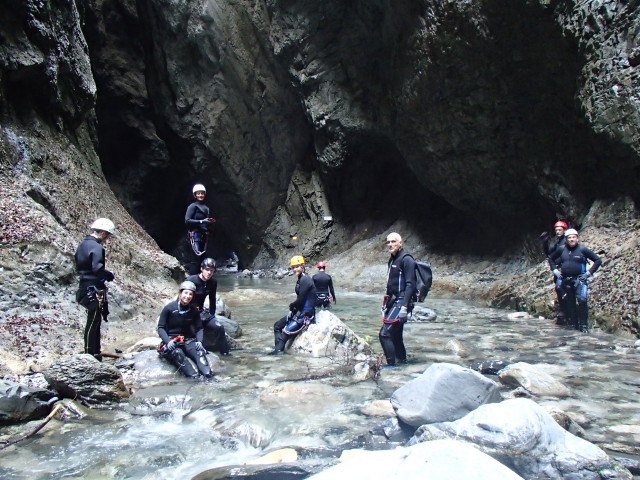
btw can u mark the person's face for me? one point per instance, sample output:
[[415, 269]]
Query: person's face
[[572, 240], [207, 273], [559, 231], [104, 237], [297, 269], [185, 297], [393, 245], [200, 196]]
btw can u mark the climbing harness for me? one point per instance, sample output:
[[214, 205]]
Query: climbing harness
[[195, 240], [297, 323]]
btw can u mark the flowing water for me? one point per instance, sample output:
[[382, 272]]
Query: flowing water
[[178, 430]]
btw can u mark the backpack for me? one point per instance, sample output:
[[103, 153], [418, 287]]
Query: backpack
[[424, 279]]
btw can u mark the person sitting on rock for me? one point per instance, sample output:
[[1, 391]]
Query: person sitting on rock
[[550, 245], [301, 312], [325, 294], [180, 329], [198, 221], [206, 286], [570, 267]]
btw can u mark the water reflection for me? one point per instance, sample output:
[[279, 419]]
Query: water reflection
[[259, 404]]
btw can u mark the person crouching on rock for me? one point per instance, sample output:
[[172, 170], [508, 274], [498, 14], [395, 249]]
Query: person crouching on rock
[[92, 291], [207, 286], [180, 329], [301, 312]]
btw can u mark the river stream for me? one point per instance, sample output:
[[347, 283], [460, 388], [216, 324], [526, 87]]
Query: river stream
[[191, 427]]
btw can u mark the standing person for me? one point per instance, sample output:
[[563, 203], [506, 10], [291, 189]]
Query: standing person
[[323, 282], [92, 291], [180, 329], [198, 221], [207, 286], [570, 267], [301, 312], [398, 301], [550, 245]]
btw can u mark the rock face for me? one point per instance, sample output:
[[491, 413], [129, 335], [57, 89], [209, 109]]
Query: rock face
[[523, 436], [444, 392]]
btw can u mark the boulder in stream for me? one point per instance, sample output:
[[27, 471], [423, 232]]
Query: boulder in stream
[[19, 403], [444, 392], [522, 435], [533, 379]]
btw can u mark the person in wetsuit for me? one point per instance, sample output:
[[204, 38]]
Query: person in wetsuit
[[550, 245], [398, 301], [207, 286], [180, 329], [301, 312], [325, 294], [570, 267], [198, 221], [92, 291]]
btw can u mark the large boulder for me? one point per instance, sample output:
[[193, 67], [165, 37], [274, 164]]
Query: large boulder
[[20, 403], [330, 337], [522, 435], [444, 392], [444, 459], [85, 378]]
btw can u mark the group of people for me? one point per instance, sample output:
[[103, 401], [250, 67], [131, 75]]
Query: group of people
[[568, 262], [184, 322]]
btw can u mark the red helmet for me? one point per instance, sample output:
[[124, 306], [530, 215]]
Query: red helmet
[[322, 265], [561, 224]]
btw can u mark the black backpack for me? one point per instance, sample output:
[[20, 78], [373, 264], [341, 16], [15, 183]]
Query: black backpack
[[424, 279]]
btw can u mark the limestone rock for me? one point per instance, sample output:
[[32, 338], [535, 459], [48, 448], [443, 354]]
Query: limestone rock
[[533, 379], [444, 392], [85, 378], [284, 455]]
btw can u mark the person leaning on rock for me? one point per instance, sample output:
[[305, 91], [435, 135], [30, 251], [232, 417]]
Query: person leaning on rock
[[550, 245], [92, 291], [570, 267], [207, 286], [325, 294], [398, 301], [301, 312], [180, 329], [198, 221]]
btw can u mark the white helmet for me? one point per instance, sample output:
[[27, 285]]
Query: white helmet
[[105, 225], [187, 285], [571, 231], [198, 187]]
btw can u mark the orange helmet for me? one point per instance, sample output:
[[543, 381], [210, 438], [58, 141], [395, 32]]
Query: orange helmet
[[296, 260]]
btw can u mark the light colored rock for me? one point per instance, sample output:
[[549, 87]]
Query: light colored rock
[[532, 378], [457, 348], [518, 315], [379, 408], [523, 434], [442, 460], [444, 392], [284, 455], [147, 343]]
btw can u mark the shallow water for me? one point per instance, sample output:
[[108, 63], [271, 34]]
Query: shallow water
[[179, 430]]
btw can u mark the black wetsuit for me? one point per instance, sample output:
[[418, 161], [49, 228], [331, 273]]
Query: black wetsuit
[[196, 220], [91, 294], [177, 320], [302, 309], [324, 287], [550, 246], [209, 321], [401, 287], [572, 262]]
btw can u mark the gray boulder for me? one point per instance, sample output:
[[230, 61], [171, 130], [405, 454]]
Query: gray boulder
[[444, 392], [231, 327], [533, 379], [19, 403], [522, 435], [444, 459], [84, 378]]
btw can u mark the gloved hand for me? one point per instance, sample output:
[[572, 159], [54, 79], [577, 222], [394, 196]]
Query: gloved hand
[[205, 222], [403, 314], [211, 220], [108, 276], [171, 346], [200, 347], [557, 273], [584, 276]]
